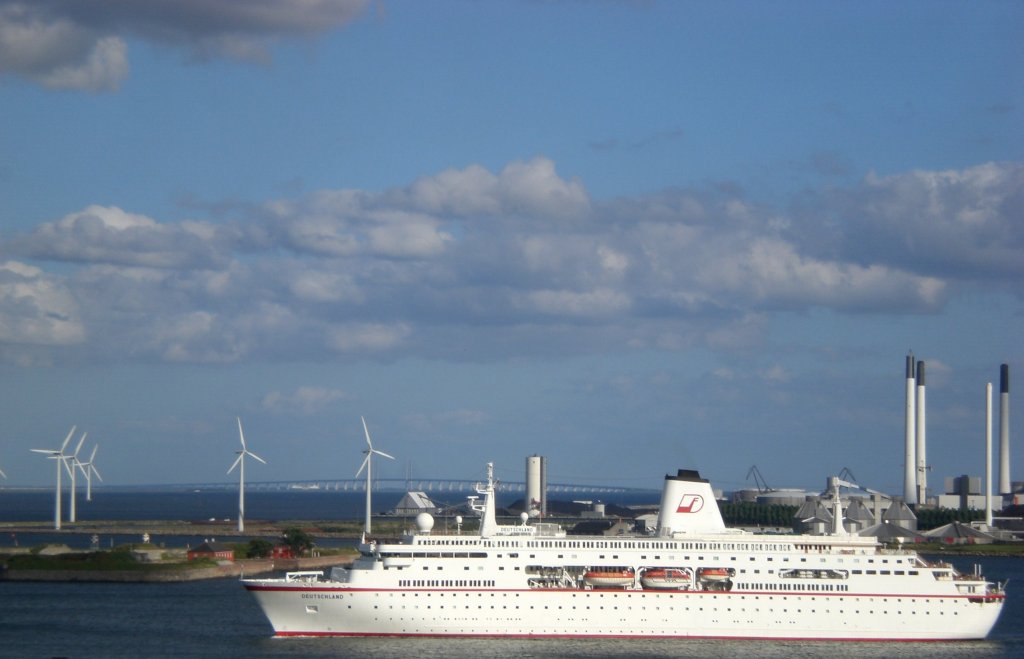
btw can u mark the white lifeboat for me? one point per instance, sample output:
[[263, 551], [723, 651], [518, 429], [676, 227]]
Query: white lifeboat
[[715, 573], [608, 578], [667, 578]]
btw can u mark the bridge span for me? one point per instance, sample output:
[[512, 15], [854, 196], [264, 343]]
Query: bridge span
[[412, 485]]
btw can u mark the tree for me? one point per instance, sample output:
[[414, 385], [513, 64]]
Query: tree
[[298, 541], [258, 548]]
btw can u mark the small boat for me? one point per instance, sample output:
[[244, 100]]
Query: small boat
[[666, 578], [714, 573], [608, 578]]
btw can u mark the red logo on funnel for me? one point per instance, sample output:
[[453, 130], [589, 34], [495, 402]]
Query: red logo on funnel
[[690, 503]]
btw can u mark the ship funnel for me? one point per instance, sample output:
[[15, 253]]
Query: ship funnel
[[688, 505]]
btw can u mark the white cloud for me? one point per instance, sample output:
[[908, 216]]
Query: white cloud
[[600, 302], [349, 223], [58, 53], [771, 272], [101, 234], [304, 400], [345, 273], [80, 44], [36, 308], [532, 189], [367, 337], [958, 223], [320, 286]]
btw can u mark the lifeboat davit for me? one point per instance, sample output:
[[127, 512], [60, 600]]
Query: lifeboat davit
[[714, 573], [608, 578], [666, 578]]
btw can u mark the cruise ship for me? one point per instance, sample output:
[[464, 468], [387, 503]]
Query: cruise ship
[[692, 578]]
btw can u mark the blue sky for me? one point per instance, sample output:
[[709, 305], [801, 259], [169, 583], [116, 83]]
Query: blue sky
[[631, 236]]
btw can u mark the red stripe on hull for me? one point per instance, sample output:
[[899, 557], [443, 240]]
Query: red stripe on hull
[[843, 639]]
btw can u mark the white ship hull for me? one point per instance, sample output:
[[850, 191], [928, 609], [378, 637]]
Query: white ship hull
[[319, 611], [535, 581]]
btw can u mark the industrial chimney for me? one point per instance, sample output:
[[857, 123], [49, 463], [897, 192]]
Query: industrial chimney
[[1004, 430], [922, 464], [910, 440], [537, 485]]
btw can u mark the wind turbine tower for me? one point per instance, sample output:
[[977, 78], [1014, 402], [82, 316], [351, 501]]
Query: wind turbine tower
[[73, 459], [58, 455], [240, 463], [368, 465], [89, 470]]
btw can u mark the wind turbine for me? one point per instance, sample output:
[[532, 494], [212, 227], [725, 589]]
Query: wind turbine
[[88, 470], [240, 463], [368, 465], [58, 455], [73, 458]]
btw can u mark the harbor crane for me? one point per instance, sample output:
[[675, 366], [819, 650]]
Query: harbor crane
[[759, 481]]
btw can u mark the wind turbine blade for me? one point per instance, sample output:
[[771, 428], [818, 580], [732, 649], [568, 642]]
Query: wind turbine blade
[[68, 438], [2, 473], [391, 457], [253, 455], [92, 456], [241, 436], [367, 432], [95, 472], [68, 468], [235, 463], [366, 460], [44, 450], [80, 442]]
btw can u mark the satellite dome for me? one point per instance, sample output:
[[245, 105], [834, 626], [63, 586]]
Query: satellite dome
[[523, 517], [424, 522]]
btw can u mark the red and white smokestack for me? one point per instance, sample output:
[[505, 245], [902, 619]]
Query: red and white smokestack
[[922, 465], [1004, 430], [910, 444]]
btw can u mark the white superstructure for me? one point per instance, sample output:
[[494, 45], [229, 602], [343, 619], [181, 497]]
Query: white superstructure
[[693, 578]]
